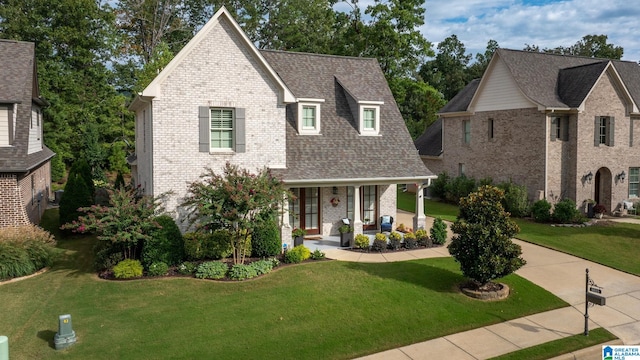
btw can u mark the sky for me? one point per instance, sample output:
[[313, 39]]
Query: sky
[[546, 23]]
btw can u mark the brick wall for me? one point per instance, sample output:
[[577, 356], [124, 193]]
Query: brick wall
[[516, 151], [220, 72], [12, 211]]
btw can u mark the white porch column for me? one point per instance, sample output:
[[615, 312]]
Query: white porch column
[[419, 220], [285, 229], [357, 221]]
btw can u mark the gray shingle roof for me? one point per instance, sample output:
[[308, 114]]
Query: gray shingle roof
[[430, 142], [461, 101], [18, 85], [340, 153]]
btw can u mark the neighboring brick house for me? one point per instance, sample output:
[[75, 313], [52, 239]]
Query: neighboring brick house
[[25, 176], [564, 126], [327, 125]]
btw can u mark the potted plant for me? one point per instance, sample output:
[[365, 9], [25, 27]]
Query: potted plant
[[346, 235], [298, 236], [589, 204], [599, 210]]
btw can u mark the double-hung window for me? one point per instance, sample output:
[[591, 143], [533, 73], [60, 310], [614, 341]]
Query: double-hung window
[[634, 181], [369, 115], [466, 131], [560, 128], [604, 130], [222, 129], [309, 116], [6, 125]]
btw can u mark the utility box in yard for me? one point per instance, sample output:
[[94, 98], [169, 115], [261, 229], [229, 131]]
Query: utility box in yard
[[65, 336]]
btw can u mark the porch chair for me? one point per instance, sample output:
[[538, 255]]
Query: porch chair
[[386, 223], [628, 205]]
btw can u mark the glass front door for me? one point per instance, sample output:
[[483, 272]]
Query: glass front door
[[304, 210]]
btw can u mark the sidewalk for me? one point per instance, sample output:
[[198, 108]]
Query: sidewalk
[[560, 274]]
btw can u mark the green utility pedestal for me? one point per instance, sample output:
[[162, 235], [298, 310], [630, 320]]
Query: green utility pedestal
[[65, 336]]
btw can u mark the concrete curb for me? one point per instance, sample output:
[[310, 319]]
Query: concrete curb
[[591, 353]]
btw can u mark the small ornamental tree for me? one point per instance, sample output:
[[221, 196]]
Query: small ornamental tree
[[234, 200], [482, 242], [126, 224], [77, 193]]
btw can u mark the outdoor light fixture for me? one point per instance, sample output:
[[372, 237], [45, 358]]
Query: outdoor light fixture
[[588, 177], [621, 176], [335, 190]]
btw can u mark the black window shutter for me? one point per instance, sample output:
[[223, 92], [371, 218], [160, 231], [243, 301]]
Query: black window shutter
[[204, 128], [610, 131], [596, 131], [240, 131]]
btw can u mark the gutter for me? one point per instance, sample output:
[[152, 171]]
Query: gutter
[[351, 181]]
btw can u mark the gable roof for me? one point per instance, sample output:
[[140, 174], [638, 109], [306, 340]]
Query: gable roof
[[153, 89], [559, 81], [460, 102], [340, 153], [18, 85], [430, 142]]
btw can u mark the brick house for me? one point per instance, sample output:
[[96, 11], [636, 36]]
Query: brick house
[[25, 176], [328, 126], [564, 126]]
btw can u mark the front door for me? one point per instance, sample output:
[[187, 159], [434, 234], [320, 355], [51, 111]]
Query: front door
[[304, 210]]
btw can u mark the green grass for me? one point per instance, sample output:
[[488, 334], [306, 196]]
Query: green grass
[[616, 245], [561, 346], [327, 309]]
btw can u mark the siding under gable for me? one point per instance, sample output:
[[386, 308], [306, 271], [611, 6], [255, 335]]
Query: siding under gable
[[35, 131], [500, 92]]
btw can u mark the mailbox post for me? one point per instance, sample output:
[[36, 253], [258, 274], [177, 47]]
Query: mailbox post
[[592, 296]]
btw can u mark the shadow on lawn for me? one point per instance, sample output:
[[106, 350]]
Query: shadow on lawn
[[48, 336], [414, 272]]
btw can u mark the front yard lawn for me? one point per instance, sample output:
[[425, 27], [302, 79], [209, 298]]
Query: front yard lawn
[[321, 310], [613, 244]]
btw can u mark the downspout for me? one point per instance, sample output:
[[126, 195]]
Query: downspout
[[546, 155]]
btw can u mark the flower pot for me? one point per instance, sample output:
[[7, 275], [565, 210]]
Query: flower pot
[[599, 215], [298, 240], [346, 239]]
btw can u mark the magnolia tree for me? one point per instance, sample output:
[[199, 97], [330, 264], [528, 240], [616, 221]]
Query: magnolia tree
[[126, 223], [234, 200], [482, 242]]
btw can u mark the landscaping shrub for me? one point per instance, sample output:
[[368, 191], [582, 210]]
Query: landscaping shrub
[[242, 272], [565, 212], [261, 266], [14, 261], [395, 240], [362, 241], [423, 238], [438, 231], [410, 240], [439, 186], [127, 268], [516, 200], [106, 256], [379, 242], [541, 211], [297, 254], [275, 262], [317, 255], [212, 270], [265, 239], [458, 188], [27, 249], [158, 269], [78, 192], [482, 244], [200, 245], [165, 245], [187, 268]]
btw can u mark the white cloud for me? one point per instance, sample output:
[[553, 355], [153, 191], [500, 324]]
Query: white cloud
[[516, 23]]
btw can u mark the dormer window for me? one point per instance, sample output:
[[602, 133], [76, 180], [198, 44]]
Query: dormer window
[[309, 116], [370, 118]]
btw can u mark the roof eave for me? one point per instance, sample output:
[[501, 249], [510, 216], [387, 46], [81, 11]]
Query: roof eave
[[351, 181]]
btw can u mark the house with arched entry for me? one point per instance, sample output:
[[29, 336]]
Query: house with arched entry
[[564, 126], [328, 126]]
